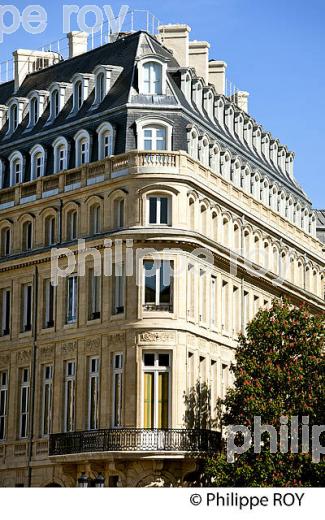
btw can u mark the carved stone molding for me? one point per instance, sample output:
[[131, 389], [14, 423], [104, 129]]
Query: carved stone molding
[[4, 360], [151, 336], [70, 347], [93, 345], [23, 356], [46, 352], [117, 338]]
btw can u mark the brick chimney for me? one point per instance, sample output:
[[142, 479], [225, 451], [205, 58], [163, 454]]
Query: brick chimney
[[199, 58], [176, 39], [77, 43], [217, 75]]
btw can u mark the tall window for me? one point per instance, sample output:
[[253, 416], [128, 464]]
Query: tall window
[[156, 389], [213, 300], [27, 307], [3, 403], [83, 151], [49, 295], [13, 118], [93, 394], [55, 106], [119, 206], [225, 306], [152, 78], [27, 236], [47, 387], [105, 141], [94, 296], [203, 297], [50, 230], [100, 87], [193, 146], [95, 220], [118, 289], [158, 285], [34, 111], [5, 241], [117, 390], [190, 296], [214, 388], [5, 311], [72, 299], [78, 97], [24, 403], [154, 138], [60, 152], [69, 396], [16, 171], [159, 210], [72, 220]]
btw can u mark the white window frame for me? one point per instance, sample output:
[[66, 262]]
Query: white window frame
[[117, 389], [24, 402], [101, 93], [159, 196], [37, 152], [60, 162], [47, 391], [105, 130], [14, 159], [156, 369], [72, 297], [157, 264], [146, 124], [50, 224], [82, 147], [80, 93], [141, 74], [69, 384], [93, 375]]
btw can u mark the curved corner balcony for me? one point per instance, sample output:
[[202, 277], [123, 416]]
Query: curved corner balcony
[[135, 440]]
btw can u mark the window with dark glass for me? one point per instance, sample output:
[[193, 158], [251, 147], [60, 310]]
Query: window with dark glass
[[158, 285], [24, 403], [27, 307], [158, 210], [6, 311]]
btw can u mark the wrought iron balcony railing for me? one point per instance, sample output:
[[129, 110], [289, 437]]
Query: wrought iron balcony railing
[[135, 439]]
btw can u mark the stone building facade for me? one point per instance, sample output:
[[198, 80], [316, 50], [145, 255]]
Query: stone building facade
[[131, 161]]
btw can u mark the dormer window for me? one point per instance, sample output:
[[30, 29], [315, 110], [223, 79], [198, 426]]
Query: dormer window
[[152, 77], [16, 108], [154, 135], [34, 111], [82, 84], [105, 141], [55, 104], [186, 85], [37, 162], [16, 168], [198, 94], [13, 121], [60, 147], [82, 140], [204, 151], [100, 87], [193, 139]]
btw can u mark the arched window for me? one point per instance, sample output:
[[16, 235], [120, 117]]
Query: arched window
[[193, 140], [60, 152], [16, 168], [95, 219], [215, 159], [215, 233], [152, 78], [37, 162], [225, 231], [13, 117], [50, 230], [105, 140], [72, 223], [77, 95], [237, 237], [5, 241], [55, 103], [203, 218], [191, 210], [204, 151], [82, 143], [27, 236], [34, 111], [100, 87]]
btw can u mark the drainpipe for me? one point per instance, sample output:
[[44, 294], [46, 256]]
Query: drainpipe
[[33, 376]]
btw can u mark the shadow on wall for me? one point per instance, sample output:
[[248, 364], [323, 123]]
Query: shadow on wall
[[199, 414]]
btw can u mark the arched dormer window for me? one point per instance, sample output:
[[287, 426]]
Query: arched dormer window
[[36, 106], [208, 101], [193, 143], [37, 154], [152, 76], [2, 174], [82, 147], [100, 87], [197, 93], [219, 109], [16, 168], [58, 97], [225, 165], [13, 117], [102, 75], [77, 95], [215, 159], [186, 85], [105, 140], [55, 103], [204, 151], [82, 86], [16, 108], [60, 152], [154, 134]]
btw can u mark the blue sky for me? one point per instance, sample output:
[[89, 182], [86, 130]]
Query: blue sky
[[274, 50]]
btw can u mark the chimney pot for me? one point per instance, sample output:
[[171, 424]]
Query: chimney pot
[[77, 43], [199, 58], [176, 39], [217, 75]]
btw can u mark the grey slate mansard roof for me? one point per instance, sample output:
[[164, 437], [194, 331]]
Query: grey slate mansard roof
[[122, 53]]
